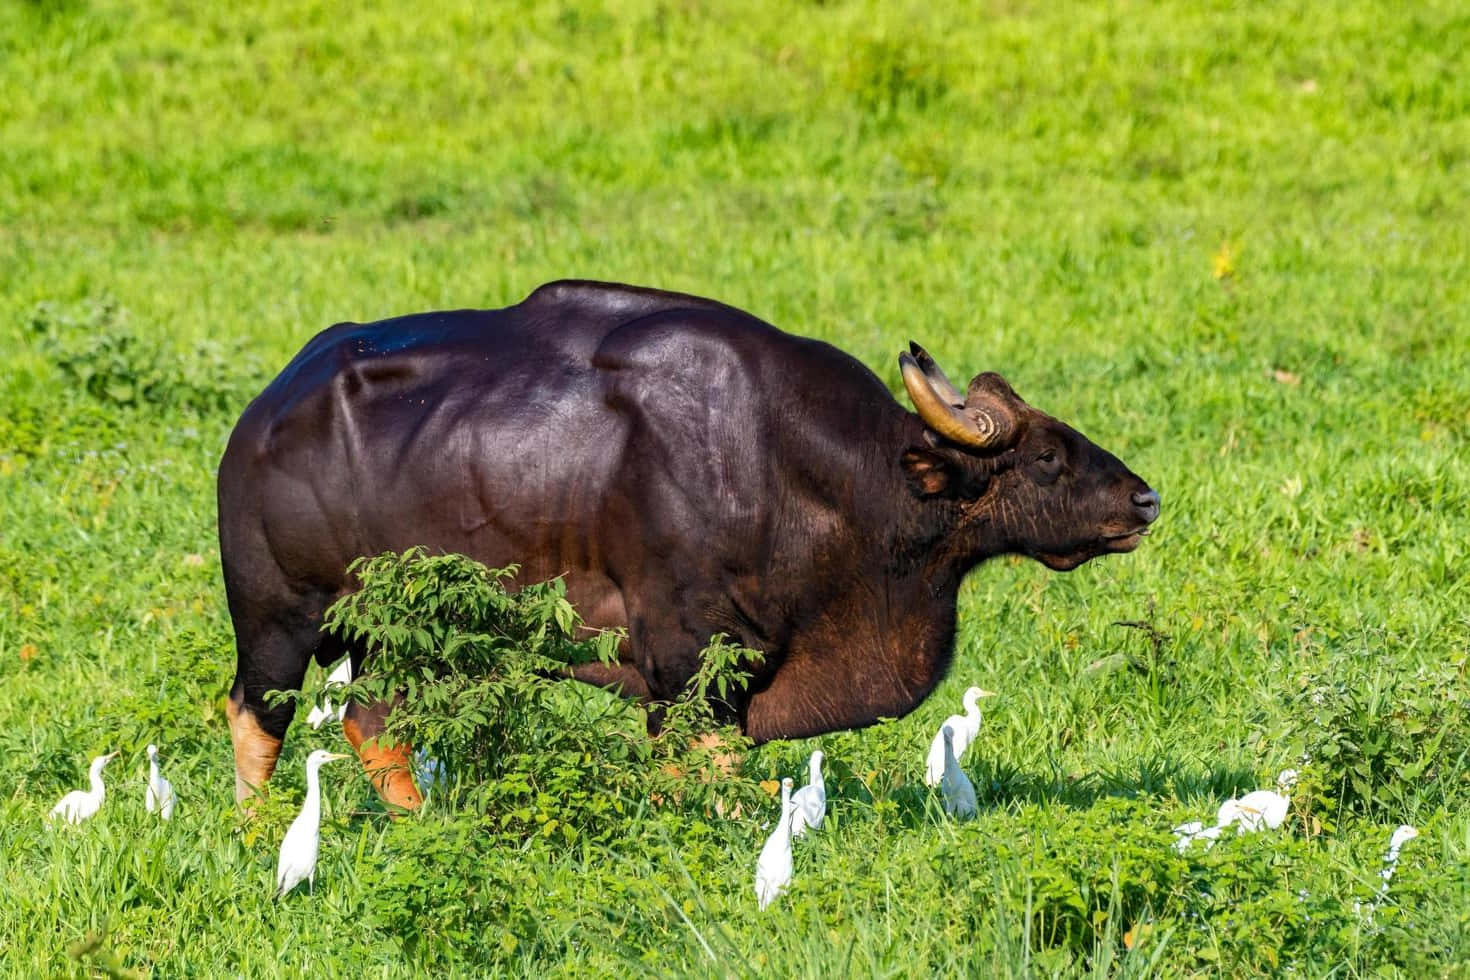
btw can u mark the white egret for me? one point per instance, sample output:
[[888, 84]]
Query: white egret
[[1401, 836], [298, 849], [160, 798], [1264, 808], [78, 805], [337, 678], [811, 799], [959, 792], [965, 727], [773, 867]]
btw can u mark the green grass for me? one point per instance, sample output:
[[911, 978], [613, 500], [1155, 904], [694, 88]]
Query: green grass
[[1231, 244]]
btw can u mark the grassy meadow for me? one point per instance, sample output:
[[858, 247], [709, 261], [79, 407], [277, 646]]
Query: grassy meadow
[[1231, 243]]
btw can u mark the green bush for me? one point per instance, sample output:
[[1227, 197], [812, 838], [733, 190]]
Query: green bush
[[533, 761], [475, 670], [1383, 747]]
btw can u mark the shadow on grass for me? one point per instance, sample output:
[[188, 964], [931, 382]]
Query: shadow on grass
[[998, 785]]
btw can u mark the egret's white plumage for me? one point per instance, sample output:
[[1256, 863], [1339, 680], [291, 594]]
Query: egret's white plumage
[[298, 850], [1185, 833], [811, 799], [337, 678], [1263, 808], [160, 798], [78, 805], [773, 867], [965, 727], [959, 792], [1401, 836], [1195, 830]]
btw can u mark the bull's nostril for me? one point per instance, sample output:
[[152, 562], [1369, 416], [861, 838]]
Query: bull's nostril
[[1147, 504]]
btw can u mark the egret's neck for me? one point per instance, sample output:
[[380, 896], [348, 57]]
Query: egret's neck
[[97, 788], [815, 774], [313, 803], [783, 827]]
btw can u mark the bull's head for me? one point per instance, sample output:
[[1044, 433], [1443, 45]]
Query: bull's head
[[1038, 486]]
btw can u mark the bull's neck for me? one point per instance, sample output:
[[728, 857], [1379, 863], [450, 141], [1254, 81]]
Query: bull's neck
[[933, 541]]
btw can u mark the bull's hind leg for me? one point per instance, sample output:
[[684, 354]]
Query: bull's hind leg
[[271, 658], [388, 766]]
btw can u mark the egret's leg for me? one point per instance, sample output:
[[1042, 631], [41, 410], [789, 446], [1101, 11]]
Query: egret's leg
[[387, 766]]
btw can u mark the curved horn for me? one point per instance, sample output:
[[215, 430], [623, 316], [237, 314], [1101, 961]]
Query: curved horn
[[942, 418], [937, 378]]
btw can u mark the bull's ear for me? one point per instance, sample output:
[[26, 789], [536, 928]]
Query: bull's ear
[[930, 473]]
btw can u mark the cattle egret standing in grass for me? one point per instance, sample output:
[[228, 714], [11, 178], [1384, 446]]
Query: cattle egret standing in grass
[[811, 799], [959, 792], [298, 850], [1401, 836], [965, 728], [160, 797], [1264, 808], [773, 867], [338, 678], [79, 804]]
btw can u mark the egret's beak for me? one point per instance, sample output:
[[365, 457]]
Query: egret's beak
[[986, 694], [110, 756], [338, 755]]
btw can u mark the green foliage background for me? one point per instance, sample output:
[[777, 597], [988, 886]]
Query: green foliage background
[[1231, 243]]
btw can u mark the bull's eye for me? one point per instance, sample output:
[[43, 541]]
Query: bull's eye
[[1047, 467]]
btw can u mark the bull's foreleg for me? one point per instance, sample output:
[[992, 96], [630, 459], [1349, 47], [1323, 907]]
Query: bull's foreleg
[[388, 766], [270, 658], [256, 750]]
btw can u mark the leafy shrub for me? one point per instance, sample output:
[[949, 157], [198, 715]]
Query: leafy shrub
[[478, 670], [1378, 748], [94, 348], [1093, 874], [535, 762], [1250, 908]]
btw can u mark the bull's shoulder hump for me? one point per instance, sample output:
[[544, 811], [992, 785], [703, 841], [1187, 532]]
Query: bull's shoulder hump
[[678, 338], [611, 301]]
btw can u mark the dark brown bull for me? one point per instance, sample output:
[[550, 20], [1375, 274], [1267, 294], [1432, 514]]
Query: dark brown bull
[[690, 469]]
